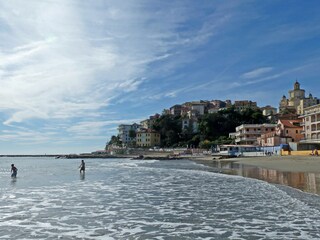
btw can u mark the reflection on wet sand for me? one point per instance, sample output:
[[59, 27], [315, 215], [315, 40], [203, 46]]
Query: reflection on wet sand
[[308, 182]]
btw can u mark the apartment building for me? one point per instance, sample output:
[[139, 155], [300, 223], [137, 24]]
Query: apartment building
[[124, 132], [290, 128], [147, 138], [176, 110], [286, 131], [311, 123], [245, 104], [148, 123], [249, 133]]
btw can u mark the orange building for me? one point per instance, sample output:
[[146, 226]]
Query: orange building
[[290, 128], [285, 132]]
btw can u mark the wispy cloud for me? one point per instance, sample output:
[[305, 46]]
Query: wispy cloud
[[257, 72], [68, 68], [52, 67]]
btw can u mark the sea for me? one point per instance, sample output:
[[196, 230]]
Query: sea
[[139, 199]]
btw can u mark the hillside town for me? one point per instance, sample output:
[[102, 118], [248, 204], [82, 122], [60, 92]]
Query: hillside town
[[294, 126]]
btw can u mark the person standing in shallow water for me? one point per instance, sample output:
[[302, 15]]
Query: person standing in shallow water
[[14, 171], [82, 166]]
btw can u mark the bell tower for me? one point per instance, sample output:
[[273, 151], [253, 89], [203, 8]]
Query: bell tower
[[297, 85]]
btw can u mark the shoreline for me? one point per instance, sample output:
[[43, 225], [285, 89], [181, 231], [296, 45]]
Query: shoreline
[[304, 164], [302, 173]]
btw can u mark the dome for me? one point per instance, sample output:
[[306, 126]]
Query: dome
[[296, 85]]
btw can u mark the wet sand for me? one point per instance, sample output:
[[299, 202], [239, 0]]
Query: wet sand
[[306, 164], [281, 163], [300, 172]]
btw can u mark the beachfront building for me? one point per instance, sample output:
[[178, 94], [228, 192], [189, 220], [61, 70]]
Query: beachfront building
[[147, 138], [272, 139], [297, 102], [290, 128], [311, 124], [124, 133], [249, 133], [285, 132]]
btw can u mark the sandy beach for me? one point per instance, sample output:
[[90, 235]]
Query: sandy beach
[[285, 163]]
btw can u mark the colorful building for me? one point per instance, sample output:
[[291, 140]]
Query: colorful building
[[147, 138], [249, 133], [285, 132]]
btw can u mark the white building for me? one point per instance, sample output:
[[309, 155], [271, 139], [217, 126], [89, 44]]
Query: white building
[[124, 132], [268, 110], [249, 133], [311, 123]]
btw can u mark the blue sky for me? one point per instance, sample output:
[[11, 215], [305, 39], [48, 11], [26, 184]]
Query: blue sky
[[71, 71]]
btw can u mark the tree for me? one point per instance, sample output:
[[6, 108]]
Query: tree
[[169, 128], [132, 134], [206, 144], [215, 125], [115, 140]]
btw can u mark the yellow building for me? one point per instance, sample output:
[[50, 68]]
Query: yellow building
[[147, 138]]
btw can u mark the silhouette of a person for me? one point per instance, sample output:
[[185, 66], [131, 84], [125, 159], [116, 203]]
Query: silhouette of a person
[[82, 166], [14, 171]]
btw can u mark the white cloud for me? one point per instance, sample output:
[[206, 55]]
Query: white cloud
[[60, 59], [257, 72], [64, 61]]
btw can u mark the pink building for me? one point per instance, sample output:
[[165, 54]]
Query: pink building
[[285, 132]]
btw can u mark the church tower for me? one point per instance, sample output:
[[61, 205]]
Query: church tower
[[293, 100], [296, 95]]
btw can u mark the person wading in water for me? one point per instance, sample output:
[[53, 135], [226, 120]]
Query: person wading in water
[[14, 171], [82, 166]]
